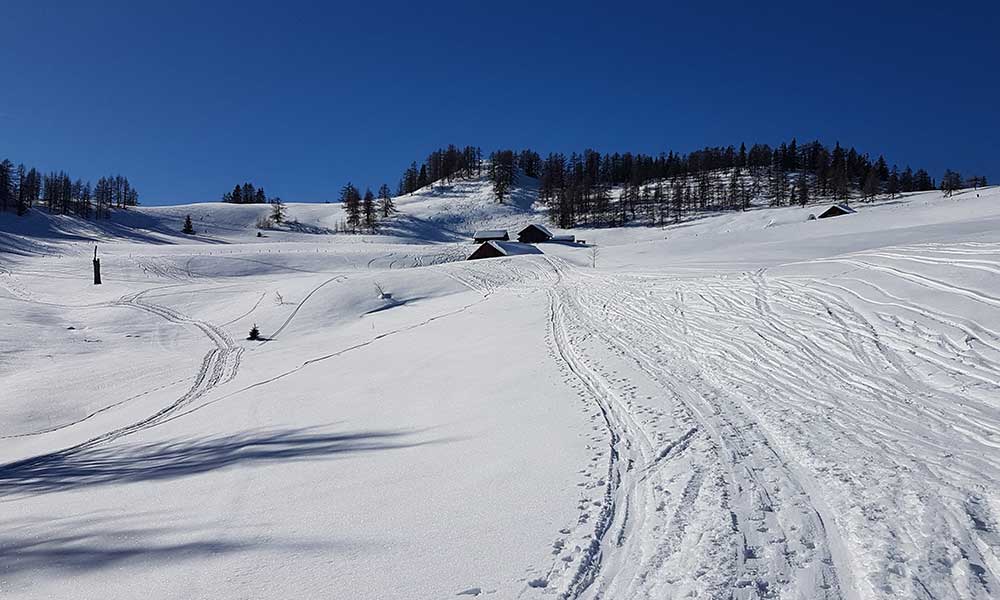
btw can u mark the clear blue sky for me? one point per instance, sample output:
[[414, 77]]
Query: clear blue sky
[[189, 98]]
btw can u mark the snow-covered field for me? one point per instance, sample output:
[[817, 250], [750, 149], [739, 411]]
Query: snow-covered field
[[744, 405]]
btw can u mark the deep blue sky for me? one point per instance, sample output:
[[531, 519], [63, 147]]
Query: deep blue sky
[[188, 98]]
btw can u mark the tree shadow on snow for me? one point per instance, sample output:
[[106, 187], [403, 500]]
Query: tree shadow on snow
[[114, 464], [297, 227], [94, 541], [395, 303]]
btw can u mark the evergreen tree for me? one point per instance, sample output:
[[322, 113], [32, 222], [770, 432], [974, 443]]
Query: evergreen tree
[[839, 177], [188, 226], [234, 197], [351, 200], [892, 186], [950, 182], [802, 183], [678, 201], [502, 173], [385, 204], [368, 210], [871, 186], [977, 181], [277, 210], [25, 187], [7, 198], [248, 193], [922, 181], [778, 182]]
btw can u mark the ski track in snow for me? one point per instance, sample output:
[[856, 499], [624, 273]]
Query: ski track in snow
[[218, 366], [755, 435], [789, 421]]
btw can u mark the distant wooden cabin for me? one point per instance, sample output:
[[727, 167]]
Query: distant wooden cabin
[[497, 249], [486, 235], [836, 210], [564, 239], [534, 234]]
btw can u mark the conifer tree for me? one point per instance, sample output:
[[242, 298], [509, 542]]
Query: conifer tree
[[893, 184], [802, 183], [188, 226], [385, 204], [871, 186], [277, 210], [951, 182], [25, 187], [6, 185], [368, 210], [351, 200], [502, 173]]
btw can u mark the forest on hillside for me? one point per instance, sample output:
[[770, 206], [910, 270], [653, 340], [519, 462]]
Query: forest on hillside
[[22, 188], [615, 189]]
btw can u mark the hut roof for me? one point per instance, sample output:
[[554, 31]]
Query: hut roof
[[494, 249], [836, 210], [514, 248], [540, 228], [490, 234]]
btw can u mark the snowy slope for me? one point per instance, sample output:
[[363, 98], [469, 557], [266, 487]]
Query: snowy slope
[[439, 213], [459, 208], [743, 405]]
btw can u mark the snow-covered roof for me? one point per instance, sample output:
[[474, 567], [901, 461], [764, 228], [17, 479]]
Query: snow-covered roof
[[541, 228], [490, 234], [514, 248]]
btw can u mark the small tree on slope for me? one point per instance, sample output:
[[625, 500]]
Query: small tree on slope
[[188, 226], [351, 199], [277, 210], [369, 211], [385, 204]]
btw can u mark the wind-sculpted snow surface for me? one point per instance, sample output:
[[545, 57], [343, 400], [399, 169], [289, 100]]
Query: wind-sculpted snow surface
[[747, 406]]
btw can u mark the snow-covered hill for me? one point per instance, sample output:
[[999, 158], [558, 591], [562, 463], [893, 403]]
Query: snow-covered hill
[[439, 213], [741, 405]]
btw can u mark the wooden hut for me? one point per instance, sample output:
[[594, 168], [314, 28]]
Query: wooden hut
[[534, 234], [486, 235], [496, 249], [836, 210]]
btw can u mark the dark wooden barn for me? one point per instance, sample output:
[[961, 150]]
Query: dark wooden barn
[[496, 249], [485, 235], [534, 234], [836, 210]]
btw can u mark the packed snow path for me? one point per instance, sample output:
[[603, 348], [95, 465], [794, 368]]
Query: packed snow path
[[767, 439]]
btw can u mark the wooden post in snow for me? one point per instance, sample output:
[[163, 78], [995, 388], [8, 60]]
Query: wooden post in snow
[[97, 268]]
